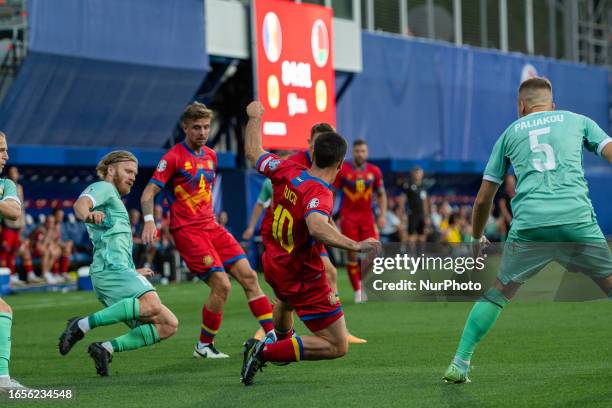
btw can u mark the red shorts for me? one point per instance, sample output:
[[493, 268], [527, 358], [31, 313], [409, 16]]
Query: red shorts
[[207, 249], [358, 230], [313, 301], [10, 240]]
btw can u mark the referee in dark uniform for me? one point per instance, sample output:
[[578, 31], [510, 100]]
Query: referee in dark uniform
[[418, 208]]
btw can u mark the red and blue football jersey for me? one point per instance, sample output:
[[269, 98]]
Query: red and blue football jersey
[[302, 158], [189, 177], [287, 240], [358, 185]]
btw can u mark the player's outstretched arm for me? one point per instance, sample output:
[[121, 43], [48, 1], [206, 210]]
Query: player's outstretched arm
[[147, 203], [606, 153], [10, 209], [320, 229], [82, 211], [482, 207], [252, 142]]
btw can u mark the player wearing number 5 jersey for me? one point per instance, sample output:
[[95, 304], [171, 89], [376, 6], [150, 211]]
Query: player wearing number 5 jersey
[[188, 171], [552, 204], [293, 232], [127, 295]]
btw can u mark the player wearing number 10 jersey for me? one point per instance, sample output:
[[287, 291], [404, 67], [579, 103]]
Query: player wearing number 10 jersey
[[293, 234], [551, 205]]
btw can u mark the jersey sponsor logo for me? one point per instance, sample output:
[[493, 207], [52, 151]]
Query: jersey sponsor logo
[[161, 166], [188, 165], [290, 195], [314, 203], [273, 164]]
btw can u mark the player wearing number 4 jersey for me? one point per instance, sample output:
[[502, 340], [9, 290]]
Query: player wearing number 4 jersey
[[551, 205], [126, 293], [188, 172], [293, 233]]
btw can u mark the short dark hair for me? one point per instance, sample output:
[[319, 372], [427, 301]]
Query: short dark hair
[[359, 142], [321, 128], [535, 83], [329, 150]]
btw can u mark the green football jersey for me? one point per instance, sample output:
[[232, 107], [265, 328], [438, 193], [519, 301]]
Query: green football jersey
[[545, 150], [112, 239], [265, 195], [8, 191]]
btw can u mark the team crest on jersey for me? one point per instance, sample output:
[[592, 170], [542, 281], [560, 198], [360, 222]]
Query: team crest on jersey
[[161, 166], [188, 165], [208, 260], [314, 203], [370, 176], [273, 164], [209, 164]]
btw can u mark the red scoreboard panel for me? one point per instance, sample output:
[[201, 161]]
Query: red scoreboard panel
[[293, 68]]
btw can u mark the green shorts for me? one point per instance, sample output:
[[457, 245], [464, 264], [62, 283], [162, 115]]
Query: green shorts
[[113, 285], [576, 247]]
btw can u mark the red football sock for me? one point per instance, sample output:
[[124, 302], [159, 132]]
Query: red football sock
[[354, 273], [283, 335], [210, 325], [64, 264], [262, 310], [284, 350]]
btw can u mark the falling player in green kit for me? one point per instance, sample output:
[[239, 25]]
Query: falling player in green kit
[[10, 208], [124, 290], [552, 204]]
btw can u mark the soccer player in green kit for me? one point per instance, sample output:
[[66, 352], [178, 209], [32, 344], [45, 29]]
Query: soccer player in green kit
[[126, 293], [10, 208], [552, 204]]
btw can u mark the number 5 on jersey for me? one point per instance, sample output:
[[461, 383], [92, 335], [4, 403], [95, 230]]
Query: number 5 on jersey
[[281, 215], [550, 163]]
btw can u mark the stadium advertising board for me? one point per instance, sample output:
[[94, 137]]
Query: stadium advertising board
[[293, 69]]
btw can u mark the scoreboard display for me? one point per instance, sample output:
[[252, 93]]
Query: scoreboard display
[[293, 69]]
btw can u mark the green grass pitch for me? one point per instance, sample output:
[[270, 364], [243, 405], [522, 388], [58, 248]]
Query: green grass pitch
[[538, 354]]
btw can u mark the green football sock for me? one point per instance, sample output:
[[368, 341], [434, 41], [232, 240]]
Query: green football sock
[[6, 320], [144, 335], [122, 311], [479, 322]]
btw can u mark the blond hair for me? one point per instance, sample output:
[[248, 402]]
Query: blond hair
[[111, 158], [196, 111]]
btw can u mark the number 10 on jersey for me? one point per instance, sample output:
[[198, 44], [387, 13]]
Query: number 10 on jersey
[[282, 215]]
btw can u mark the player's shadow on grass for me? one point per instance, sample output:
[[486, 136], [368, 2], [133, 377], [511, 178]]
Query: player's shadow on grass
[[459, 395]]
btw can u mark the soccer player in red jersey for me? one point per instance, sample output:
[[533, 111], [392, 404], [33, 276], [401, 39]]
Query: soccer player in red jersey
[[208, 249], [305, 159], [294, 232], [358, 181]]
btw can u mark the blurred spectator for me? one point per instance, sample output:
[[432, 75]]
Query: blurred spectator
[[450, 231], [391, 232], [504, 198], [45, 246], [65, 243]]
